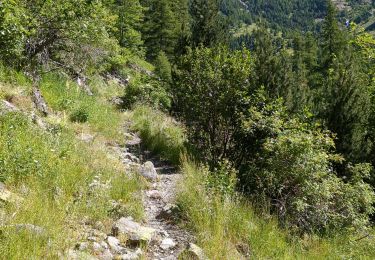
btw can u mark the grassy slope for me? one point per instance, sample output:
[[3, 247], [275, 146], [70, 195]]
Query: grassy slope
[[52, 169], [224, 226]]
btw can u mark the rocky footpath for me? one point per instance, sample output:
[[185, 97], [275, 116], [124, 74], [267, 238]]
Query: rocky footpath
[[159, 237]]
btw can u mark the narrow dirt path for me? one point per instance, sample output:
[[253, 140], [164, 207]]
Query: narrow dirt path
[[160, 210]]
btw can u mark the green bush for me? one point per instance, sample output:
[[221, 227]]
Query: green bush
[[80, 115], [293, 168], [225, 226], [146, 91]]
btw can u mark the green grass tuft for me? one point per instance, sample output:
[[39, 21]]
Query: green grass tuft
[[160, 133]]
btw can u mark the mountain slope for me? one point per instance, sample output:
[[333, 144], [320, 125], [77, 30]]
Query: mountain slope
[[305, 15]]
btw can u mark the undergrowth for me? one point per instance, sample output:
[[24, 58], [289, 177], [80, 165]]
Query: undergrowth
[[228, 226], [159, 133], [51, 170]]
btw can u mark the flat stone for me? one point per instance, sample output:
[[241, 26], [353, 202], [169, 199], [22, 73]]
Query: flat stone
[[167, 243], [6, 107], [134, 232], [106, 255], [104, 244], [82, 246]]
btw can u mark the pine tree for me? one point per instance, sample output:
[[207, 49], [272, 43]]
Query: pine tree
[[332, 38], [208, 27], [159, 28], [130, 17]]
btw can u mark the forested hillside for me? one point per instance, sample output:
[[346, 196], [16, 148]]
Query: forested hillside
[[187, 129], [305, 15]]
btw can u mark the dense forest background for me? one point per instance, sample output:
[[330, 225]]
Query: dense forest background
[[277, 97]]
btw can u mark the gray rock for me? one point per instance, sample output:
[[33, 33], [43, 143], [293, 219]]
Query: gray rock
[[168, 212], [131, 157], [36, 230], [148, 171], [193, 252], [6, 107], [87, 138], [104, 245], [154, 194], [8, 196], [132, 140], [82, 246], [132, 255], [167, 243], [114, 244], [76, 255], [97, 247], [106, 255], [134, 232]]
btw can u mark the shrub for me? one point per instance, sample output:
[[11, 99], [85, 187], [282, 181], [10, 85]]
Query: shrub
[[163, 67], [80, 115], [293, 168], [146, 91], [210, 94]]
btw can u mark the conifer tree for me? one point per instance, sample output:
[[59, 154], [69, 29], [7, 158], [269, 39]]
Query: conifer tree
[[159, 28], [208, 26], [130, 17], [332, 37]]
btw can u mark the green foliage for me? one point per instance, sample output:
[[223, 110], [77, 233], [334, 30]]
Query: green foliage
[[70, 34], [63, 95], [52, 171], [146, 91], [208, 27], [80, 115], [223, 180], [160, 133], [159, 30], [292, 165], [130, 18], [209, 94], [225, 227], [163, 67]]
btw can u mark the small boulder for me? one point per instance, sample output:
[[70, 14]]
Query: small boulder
[[193, 252], [96, 247], [6, 107], [167, 243], [132, 255], [86, 138], [153, 194], [133, 231], [148, 171], [114, 243], [8, 196], [170, 211]]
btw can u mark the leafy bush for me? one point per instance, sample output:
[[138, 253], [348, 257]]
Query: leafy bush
[[210, 94], [293, 167], [80, 115], [147, 91], [225, 227]]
